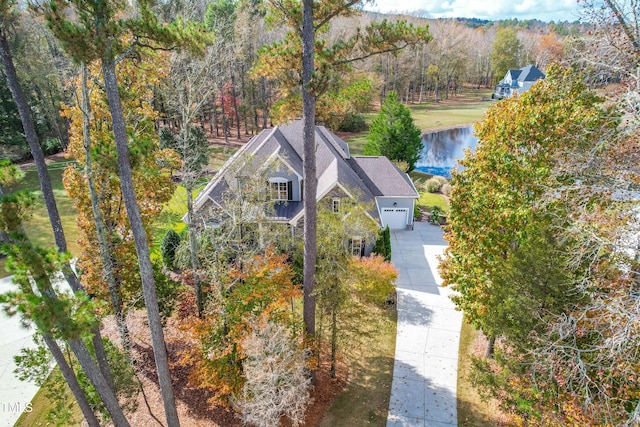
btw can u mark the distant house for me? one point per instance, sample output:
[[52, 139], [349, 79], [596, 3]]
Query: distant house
[[517, 81], [279, 151]]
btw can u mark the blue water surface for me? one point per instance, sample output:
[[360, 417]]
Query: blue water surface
[[443, 149]]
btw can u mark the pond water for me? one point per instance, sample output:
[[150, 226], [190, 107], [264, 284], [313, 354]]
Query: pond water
[[443, 149]]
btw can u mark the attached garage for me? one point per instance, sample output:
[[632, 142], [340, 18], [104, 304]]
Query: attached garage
[[395, 218]]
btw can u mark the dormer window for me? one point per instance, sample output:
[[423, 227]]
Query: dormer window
[[280, 189]]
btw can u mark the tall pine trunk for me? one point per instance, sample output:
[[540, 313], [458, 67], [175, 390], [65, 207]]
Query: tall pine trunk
[[47, 190], [193, 248], [107, 395], [309, 172], [4, 238], [235, 104], [140, 238], [334, 339], [72, 381], [225, 129], [113, 284], [488, 351]]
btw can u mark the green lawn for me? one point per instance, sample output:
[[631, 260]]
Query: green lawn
[[41, 405], [427, 199], [467, 108], [38, 227], [472, 410], [464, 109], [365, 400]]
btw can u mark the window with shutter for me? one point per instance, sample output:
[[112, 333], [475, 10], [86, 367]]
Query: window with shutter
[[279, 191]]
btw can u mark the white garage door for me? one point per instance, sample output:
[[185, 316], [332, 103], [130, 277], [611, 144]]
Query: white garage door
[[395, 218]]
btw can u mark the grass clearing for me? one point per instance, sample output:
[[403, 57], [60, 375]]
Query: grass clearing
[[41, 405], [466, 108], [472, 410], [427, 199], [170, 217], [38, 226], [365, 400]]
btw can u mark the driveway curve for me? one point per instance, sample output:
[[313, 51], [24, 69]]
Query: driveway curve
[[428, 333]]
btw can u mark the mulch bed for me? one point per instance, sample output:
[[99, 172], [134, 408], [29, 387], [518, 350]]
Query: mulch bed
[[192, 404]]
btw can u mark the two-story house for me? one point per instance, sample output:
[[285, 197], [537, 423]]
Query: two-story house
[[279, 150], [517, 81]]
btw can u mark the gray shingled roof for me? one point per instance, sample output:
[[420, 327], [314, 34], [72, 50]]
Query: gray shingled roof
[[367, 176], [530, 73], [383, 177]]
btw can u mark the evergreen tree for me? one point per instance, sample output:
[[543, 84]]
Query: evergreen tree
[[393, 133], [101, 31]]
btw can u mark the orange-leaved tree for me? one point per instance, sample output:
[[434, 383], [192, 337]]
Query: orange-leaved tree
[[261, 287], [108, 260]]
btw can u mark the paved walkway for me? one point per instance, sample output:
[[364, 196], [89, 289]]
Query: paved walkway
[[426, 360], [15, 395]]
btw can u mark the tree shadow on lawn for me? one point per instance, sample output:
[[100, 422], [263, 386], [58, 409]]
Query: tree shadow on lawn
[[365, 399]]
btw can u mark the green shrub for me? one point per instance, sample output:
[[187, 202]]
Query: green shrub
[[382, 246], [51, 146], [416, 211], [436, 214], [446, 189], [435, 183], [14, 153], [353, 123], [170, 243]]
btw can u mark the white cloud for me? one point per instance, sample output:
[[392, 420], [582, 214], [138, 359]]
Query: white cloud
[[545, 10]]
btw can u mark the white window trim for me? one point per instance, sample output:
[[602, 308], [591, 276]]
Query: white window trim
[[360, 242], [276, 193], [335, 204]]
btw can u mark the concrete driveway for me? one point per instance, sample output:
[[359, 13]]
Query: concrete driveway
[[426, 360], [15, 395]]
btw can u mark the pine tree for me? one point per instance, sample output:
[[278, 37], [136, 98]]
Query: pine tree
[[101, 31], [393, 133]]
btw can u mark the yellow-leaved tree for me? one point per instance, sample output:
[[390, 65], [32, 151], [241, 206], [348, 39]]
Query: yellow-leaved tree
[[108, 260]]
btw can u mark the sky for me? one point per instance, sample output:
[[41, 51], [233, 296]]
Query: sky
[[544, 10]]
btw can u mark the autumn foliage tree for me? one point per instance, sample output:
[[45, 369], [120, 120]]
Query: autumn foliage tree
[[349, 288], [493, 207], [151, 174], [260, 288], [537, 252], [103, 31]]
